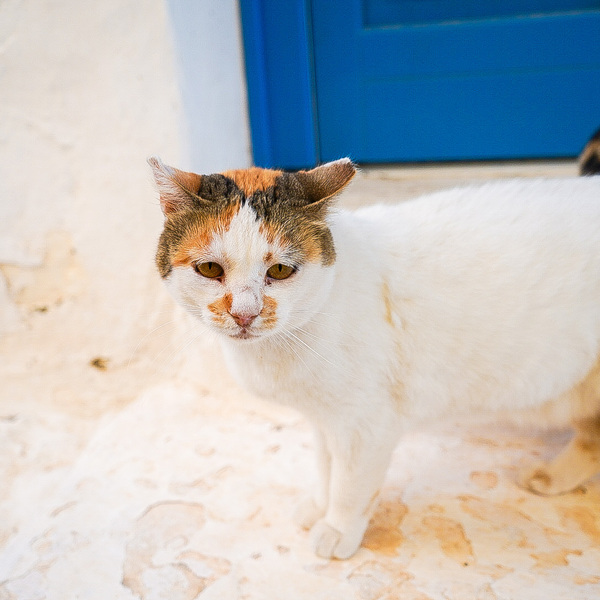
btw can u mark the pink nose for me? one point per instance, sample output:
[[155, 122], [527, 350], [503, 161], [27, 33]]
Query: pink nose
[[243, 320]]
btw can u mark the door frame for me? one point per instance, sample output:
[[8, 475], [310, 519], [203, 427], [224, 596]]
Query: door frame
[[280, 81]]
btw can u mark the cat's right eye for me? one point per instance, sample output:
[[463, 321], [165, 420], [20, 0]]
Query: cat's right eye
[[211, 270], [280, 271]]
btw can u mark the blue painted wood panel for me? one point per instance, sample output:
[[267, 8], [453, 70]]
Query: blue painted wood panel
[[455, 88], [420, 80], [378, 13], [279, 75]]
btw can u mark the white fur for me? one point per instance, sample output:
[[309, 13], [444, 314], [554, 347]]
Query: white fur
[[481, 298]]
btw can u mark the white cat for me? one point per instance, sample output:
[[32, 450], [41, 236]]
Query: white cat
[[369, 322]]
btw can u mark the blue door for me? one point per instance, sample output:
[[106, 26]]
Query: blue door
[[423, 80]]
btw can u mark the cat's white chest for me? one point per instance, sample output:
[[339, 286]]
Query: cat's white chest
[[269, 372]]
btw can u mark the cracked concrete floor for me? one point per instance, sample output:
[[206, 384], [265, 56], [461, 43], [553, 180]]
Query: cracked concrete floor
[[145, 473]]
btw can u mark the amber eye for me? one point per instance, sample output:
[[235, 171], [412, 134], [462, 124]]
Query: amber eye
[[211, 270], [280, 271]]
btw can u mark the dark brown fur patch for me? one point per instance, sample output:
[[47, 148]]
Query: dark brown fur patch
[[287, 214]]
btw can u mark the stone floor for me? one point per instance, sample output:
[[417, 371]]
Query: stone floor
[[154, 477]]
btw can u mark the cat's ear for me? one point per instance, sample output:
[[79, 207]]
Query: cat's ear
[[326, 181], [178, 189]]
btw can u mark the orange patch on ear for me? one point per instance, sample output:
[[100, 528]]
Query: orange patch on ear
[[269, 312], [253, 179]]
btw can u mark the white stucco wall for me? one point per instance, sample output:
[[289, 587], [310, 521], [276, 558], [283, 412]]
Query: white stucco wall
[[208, 47], [88, 90]]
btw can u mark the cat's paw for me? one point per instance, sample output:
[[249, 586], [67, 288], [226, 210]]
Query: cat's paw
[[540, 480], [328, 542], [307, 513]]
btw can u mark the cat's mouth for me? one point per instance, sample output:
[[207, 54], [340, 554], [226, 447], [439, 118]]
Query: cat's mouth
[[243, 334]]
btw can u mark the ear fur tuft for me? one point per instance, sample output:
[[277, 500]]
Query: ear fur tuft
[[325, 181], [177, 189]]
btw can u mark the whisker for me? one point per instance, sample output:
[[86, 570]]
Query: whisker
[[287, 344], [145, 337], [311, 335], [293, 335], [181, 348], [192, 334], [298, 311]]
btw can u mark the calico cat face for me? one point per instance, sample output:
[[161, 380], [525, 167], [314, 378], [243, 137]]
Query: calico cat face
[[248, 252]]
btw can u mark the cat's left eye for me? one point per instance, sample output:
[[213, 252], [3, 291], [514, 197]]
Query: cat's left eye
[[280, 271]]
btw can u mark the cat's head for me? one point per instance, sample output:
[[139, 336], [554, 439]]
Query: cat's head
[[249, 252]]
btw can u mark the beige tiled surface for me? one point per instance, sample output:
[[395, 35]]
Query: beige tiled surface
[[154, 477]]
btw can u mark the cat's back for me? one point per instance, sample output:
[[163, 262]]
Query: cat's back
[[518, 237], [491, 281], [510, 205], [502, 235], [513, 222]]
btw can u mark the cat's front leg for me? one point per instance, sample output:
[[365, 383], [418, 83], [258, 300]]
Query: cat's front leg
[[314, 505], [358, 468]]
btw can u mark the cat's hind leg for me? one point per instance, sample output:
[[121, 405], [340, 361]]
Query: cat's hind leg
[[580, 459], [577, 462]]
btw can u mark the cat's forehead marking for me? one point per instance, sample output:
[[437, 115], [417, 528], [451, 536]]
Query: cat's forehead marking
[[242, 242], [253, 180], [200, 232], [308, 240], [281, 235], [245, 210]]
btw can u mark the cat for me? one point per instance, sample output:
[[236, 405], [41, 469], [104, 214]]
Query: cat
[[372, 321], [589, 159]]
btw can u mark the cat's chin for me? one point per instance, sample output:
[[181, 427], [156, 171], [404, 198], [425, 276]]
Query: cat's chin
[[244, 336]]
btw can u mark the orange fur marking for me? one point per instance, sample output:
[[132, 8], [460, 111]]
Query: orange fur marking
[[269, 312], [220, 308], [201, 236], [253, 179], [309, 245], [387, 302]]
